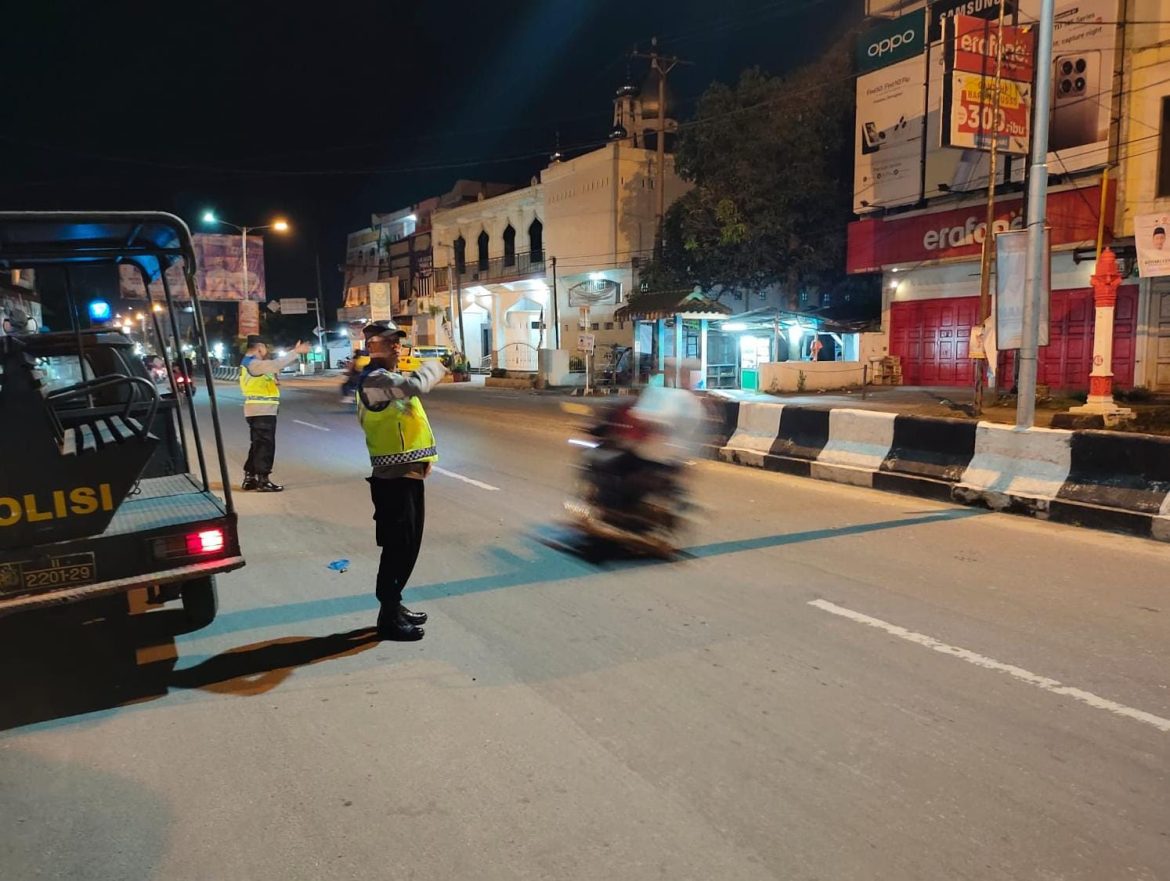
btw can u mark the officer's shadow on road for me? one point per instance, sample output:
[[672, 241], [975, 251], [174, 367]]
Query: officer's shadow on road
[[96, 656]]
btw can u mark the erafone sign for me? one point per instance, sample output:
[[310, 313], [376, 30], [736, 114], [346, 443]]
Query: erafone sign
[[974, 116], [960, 232], [890, 42]]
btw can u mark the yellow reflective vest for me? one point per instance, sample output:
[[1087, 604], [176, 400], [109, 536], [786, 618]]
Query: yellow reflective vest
[[261, 389], [397, 434]]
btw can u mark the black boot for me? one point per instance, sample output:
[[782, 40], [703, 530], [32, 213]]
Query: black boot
[[264, 485], [397, 628], [415, 618], [250, 483]]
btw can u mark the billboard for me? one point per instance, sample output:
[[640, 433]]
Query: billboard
[[887, 159], [973, 117], [362, 255], [1153, 250], [1083, 59], [219, 261], [889, 42]]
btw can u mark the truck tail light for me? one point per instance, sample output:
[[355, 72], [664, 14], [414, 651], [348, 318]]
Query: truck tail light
[[193, 544]]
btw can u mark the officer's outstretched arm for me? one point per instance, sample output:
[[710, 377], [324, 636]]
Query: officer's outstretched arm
[[381, 386]]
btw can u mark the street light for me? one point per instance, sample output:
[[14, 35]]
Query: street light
[[279, 225]]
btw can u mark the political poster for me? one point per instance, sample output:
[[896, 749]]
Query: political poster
[[1153, 250], [249, 318]]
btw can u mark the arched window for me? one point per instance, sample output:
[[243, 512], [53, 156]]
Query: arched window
[[536, 241], [482, 242], [509, 246], [460, 247]]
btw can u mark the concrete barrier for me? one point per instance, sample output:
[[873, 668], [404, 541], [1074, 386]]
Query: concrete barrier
[[756, 430], [1014, 469], [1117, 481], [1105, 480], [928, 456], [803, 433], [859, 441]]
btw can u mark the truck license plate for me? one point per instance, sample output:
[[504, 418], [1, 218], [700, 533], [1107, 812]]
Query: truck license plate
[[46, 574]]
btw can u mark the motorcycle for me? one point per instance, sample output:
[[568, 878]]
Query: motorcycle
[[638, 503]]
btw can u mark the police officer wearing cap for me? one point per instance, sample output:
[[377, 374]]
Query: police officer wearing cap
[[402, 452], [258, 382]]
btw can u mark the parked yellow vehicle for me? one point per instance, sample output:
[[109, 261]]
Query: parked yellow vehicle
[[411, 358]]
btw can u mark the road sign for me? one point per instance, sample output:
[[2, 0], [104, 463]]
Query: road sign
[[294, 306], [586, 343], [273, 305]]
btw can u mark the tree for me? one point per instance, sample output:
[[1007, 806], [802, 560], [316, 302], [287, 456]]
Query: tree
[[771, 161]]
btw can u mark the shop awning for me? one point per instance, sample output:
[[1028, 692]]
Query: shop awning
[[670, 304]]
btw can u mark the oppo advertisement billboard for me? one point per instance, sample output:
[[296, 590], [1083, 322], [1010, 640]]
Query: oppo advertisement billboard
[[897, 86]]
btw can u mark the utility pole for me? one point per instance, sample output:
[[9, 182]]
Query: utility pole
[[983, 366], [1037, 217], [663, 64]]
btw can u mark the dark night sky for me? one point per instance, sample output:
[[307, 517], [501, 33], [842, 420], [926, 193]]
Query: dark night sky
[[330, 112]]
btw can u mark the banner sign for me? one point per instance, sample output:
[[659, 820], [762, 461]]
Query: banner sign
[[219, 261], [887, 167], [1153, 250], [972, 121], [890, 42], [971, 118], [249, 318], [597, 292], [1012, 279]]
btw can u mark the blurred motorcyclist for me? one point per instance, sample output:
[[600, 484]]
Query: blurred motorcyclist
[[643, 445]]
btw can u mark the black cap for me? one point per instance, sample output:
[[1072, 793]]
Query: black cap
[[1159, 231], [255, 340], [377, 329]]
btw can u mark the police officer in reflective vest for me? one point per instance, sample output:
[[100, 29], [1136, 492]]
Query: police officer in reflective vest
[[258, 382], [402, 451]]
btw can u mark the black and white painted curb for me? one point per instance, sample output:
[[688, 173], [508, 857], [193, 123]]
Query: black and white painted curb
[[1099, 479]]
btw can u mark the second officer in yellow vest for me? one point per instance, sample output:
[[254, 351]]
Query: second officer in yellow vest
[[402, 450], [261, 391]]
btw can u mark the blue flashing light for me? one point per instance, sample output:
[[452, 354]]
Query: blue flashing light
[[99, 310]]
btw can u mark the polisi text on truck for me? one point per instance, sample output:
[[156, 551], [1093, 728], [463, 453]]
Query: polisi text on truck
[[889, 44], [55, 504]]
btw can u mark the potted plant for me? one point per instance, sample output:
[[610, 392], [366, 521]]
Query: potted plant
[[460, 369]]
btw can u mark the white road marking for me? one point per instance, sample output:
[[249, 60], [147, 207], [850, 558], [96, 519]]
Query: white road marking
[[1086, 697], [311, 425], [447, 473]]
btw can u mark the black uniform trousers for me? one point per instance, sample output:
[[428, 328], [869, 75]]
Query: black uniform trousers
[[399, 514], [263, 448]]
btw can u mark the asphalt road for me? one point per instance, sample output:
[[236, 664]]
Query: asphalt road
[[838, 684]]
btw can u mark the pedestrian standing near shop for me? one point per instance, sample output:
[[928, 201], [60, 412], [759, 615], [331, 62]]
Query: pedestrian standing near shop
[[261, 387], [402, 452]]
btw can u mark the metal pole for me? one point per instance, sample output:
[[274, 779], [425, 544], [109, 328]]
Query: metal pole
[[459, 309], [1102, 210], [555, 314], [661, 147], [1037, 217], [244, 287], [982, 366]]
